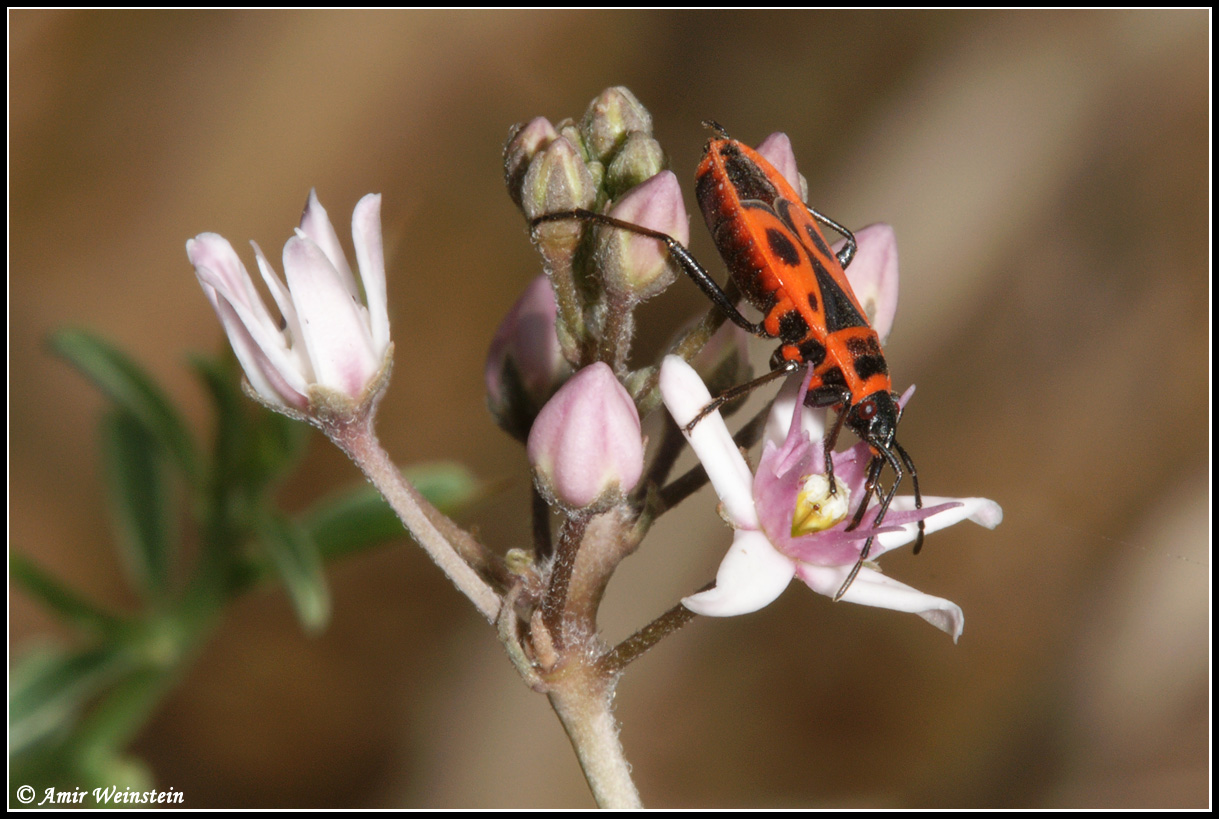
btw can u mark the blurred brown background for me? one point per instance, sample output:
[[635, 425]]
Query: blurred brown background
[[1047, 175]]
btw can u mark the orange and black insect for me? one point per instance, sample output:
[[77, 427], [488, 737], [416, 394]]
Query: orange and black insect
[[774, 248]]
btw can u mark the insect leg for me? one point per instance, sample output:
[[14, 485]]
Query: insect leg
[[848, 250], [683, 257], [739, 390], [828, 396], [918, 496], [880, 514]]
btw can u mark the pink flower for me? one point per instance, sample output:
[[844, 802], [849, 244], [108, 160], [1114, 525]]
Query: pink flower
[[765, 555], [787, 524], [329, 338]]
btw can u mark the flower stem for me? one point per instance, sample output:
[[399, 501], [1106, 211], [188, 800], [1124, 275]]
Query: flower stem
[[358, 440], [582, 701], [634, 647], [555, 601]]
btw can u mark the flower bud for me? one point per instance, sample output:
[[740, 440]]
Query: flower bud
[[585, 446], [523, 144], [609, 118], [568, 129], [524, 364], [557, 180], [639, 160], [777, 150], [636, 267], [873, 275]]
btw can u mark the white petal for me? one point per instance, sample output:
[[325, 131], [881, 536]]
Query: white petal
[[333, 324], [256, 325], [283, 300], [980, 510], [685, 395], [213, 252], [752, 575], [315, 224], [871, 588], [279, 386], [370, 256]]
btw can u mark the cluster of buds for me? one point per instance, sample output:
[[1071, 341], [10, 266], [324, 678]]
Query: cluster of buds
[[585, 444]]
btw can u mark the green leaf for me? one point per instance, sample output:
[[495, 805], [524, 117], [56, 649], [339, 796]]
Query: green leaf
[[447, 485], [254, 445], [141, 501], [49, 688], [129, 386], [295, 558], [57, 597], [359, 519], [220, 377]]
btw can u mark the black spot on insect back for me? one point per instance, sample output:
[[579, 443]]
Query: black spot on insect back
[[782, 247], [792, 327]]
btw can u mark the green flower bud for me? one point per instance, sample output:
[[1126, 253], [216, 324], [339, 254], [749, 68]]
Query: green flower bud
[[609, 118]]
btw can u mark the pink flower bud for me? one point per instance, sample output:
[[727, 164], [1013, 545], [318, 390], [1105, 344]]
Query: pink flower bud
[[585, 446], [634, 266], [525, 364], [777, 150]]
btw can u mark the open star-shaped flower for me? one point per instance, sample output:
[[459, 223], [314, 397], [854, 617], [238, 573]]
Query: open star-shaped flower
[[787, 522]]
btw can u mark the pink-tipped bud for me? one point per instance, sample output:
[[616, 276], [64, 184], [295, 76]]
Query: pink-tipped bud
[[585, 446], [873, 275], [524, 364], [523, 144], [777, 150], [636, 267]]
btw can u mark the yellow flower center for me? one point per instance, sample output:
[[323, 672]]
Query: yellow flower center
[[817, 508]]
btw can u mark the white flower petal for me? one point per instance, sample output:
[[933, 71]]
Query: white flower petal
[[333, 324], [982, 511], [213, 252], [370, 256], [685, 395], [871, 588], [315, 224], [752, 575], [277, 385], [283, 300], [256, 325]]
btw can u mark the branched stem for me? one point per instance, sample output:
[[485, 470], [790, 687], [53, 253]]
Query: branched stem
[[582, 701]]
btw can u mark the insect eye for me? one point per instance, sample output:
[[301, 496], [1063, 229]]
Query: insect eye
[[866, 410]]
